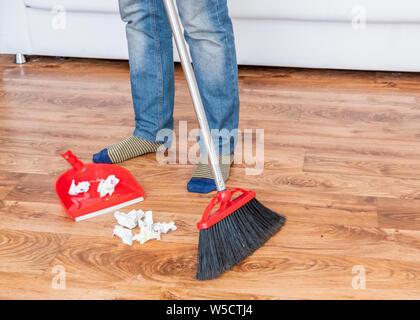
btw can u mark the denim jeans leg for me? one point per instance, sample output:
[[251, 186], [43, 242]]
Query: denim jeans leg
[[209, 33], [150, 49]]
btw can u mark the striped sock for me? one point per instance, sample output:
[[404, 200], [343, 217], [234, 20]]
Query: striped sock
[[127, 149], [202, 180]]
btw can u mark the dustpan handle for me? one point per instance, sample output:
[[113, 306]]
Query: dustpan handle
[[195, 94], [73, 160]]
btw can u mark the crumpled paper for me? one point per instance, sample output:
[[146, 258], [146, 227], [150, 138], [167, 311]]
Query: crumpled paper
[[164, 227], [147, 222], [148, 229], [81, 187], [108, 186], [140, 214], [129, 220], [146, 234], [125, 234]]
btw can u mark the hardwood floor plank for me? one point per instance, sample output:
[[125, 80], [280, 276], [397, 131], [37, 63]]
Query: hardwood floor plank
[[354, 115], [365, 186], [392, 148], [50, 148], [352, 241], [309, 96], [24, 286], [368, 132], [105, 107], [342, 163], [28, 252], [4, 191], [35, 187], [399, 214], [8, 181], [8, 178], [323, 208], [30, 164], [402, 81]]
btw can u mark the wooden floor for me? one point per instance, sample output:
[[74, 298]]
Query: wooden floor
[[342, 162]]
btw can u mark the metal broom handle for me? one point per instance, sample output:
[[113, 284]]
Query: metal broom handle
[[175, 23]]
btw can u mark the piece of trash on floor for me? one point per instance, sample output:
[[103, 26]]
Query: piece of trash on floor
[[146, 229], [140, 214], [148, 219], [144, 220], [146, 234], [81, 187], [107, 186], [128, 220], [164, 227], [125, 234]]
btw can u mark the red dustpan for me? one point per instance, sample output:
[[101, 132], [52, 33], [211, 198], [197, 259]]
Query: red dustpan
[[89, 204]]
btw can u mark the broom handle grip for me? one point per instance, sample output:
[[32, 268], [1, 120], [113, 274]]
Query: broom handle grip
[[175, 23]]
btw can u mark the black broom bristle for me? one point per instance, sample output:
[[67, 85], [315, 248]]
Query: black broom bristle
[[235, 238]]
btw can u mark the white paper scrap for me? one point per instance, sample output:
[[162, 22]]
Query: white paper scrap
[[163, 227], [107, 186], [148, 219], [146, 234], [140, 214], [81, 187], [128, 220], [148, 229], [125, 234]]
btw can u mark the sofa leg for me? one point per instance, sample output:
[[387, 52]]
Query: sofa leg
[[20, 58]]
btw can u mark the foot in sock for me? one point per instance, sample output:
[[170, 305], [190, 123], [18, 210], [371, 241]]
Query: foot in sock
[[127, 149], [202, 180]]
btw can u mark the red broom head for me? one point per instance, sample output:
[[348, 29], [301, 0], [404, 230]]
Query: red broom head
[[234, 225], [223, 204]]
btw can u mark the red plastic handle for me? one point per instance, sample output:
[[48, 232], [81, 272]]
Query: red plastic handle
[[227, 206], [73, 160]]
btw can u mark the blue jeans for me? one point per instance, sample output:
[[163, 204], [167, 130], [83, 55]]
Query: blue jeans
[[208, 31]]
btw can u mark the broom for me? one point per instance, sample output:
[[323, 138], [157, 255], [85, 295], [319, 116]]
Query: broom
[[234, 224]]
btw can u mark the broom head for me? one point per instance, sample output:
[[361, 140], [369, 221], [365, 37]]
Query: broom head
[[233, 226]]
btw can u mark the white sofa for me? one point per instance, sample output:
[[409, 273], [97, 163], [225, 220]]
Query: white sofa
[[342, 34]]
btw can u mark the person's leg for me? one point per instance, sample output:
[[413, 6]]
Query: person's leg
[[150, 49], [209, 33]]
